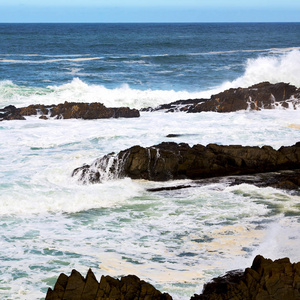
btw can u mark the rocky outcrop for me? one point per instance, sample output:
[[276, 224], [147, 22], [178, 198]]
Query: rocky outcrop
[[75, 287], [68, 110], [168, 161], [266, 279], [259, 96]]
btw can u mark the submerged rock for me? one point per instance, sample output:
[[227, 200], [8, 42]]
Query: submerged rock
[[75, 287], [259, 96], [266, 279], [168, 161], [68, 110]]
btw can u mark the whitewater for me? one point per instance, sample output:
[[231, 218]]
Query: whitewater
[[175, 239]]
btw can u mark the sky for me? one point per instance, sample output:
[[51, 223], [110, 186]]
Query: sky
[[118, 11]]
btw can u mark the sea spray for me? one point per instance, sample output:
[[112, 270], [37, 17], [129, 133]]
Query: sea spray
[[283, 67]]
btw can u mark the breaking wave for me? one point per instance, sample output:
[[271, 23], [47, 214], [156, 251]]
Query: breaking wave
[[283, 67]]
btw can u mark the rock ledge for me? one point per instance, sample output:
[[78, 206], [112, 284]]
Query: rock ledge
[[169, 161], [68, 110]]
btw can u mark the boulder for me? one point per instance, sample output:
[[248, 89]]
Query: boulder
[[10, 112], [265, 280], [76, 287], [169, 161]]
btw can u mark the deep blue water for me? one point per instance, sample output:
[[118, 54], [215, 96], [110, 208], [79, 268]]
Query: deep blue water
[[157, 56]]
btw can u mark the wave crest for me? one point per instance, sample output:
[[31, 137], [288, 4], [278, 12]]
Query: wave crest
[[79, 91], [283, 68]]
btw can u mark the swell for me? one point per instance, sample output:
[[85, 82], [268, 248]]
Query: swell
[[282, 67]]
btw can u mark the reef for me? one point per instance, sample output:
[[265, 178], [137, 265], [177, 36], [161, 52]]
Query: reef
[[265, 279], [263, 95], [68, 110], [169, 161]]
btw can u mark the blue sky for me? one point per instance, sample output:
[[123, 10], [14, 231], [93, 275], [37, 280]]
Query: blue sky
[[149, 11]]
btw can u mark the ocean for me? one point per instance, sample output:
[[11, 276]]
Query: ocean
[[175, 239]]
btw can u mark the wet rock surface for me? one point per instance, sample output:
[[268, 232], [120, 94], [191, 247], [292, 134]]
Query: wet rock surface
[[286, 180], [266, 279], [68, 110], [169, 161], [259, 96], [76, 287]]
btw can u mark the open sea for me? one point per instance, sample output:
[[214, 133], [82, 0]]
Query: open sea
[[176, 240]]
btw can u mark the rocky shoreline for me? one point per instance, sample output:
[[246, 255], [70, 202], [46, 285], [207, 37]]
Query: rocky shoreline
[[265, 279], [263, 95], [68, 110], [171, 161]]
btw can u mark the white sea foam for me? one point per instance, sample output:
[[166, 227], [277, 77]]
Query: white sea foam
[[79, 91], [282, 68], [275, 68], [176, 240], [19, 61]]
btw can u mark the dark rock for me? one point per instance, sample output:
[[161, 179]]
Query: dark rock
[[266, 279], [168, 161], [259, 96], [68, 110], [95, 110], [287, 180], [171, 135], [178, 105], [169, 188], [10, 112], [263, 95], [75, 287]]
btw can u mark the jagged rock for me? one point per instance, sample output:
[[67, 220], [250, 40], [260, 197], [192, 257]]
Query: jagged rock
[[168, 161], [263, 95], [265, 280], [75, 287], [68, 110]]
